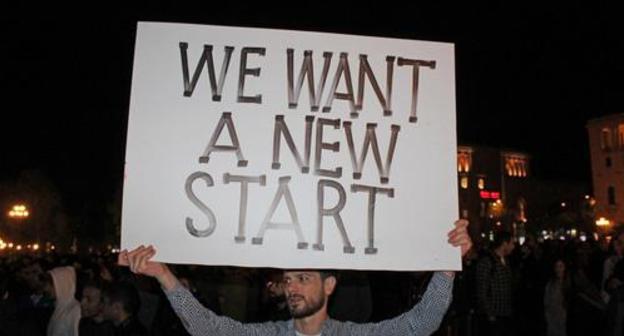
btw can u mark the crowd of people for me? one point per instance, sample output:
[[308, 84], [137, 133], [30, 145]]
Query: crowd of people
[[555, 287], [551, 287]]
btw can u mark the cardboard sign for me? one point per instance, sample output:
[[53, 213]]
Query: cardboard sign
[[272, 148]]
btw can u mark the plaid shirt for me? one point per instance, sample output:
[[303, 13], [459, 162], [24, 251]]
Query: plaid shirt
[[423, 319], [494, 286]]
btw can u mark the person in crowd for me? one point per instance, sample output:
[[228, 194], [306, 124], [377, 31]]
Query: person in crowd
[[61, 285], [274, 306], [555, 300], [463, 307], [494, 287], [31, 275], [234, 291], [8, 314], [615, 307], [33, 307], [587, 310], [616, 253], [149, 301], [599, 254], [307, 294], [352, 299], [121, 306], [92, 310], [531, 276]]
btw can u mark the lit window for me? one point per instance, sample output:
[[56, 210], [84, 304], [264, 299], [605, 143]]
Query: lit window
[[516, 164], [481, 183], [464, 160], [605, 139], [611, 195], [508, 167], [464, 182]]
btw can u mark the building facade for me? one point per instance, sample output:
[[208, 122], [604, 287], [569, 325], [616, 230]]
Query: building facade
[[606, 146], [492, 189]]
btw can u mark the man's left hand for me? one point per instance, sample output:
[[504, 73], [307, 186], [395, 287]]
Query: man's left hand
[[459, 236]]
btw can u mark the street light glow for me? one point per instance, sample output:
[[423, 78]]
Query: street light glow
[[19, 211], [602, 222]]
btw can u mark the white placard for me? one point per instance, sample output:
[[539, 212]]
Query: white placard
[[245, 147]]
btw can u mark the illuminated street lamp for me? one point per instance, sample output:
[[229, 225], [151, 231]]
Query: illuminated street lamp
[[602, 222], [19, 211], [603, 225]]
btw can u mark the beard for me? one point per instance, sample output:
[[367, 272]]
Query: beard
[[301, 307]]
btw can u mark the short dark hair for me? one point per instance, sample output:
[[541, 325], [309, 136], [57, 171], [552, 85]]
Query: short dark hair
[[126, 294], [46, 278], [501, 237], [325, 273], [96, 283]]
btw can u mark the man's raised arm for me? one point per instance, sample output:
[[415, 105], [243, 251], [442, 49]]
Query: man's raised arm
[[425, 317], [197, 319], [139, 261]]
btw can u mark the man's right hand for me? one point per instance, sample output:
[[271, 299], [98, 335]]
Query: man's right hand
[[139, 261]]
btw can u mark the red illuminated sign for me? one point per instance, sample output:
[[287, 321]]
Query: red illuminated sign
[[489, 194]]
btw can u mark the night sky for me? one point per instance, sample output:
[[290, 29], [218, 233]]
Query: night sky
[[528, 77]]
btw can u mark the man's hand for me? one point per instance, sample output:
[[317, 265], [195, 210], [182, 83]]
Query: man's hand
[[459, 236], [139, 262]]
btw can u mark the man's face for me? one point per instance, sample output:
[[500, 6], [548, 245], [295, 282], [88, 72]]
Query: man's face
[[109, 310], [306, 292], [509, 247], [91, 304], [31, 276]]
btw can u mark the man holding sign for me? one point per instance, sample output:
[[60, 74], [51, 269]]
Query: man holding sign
[[307, 293], [318, 151], [284, 149]]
